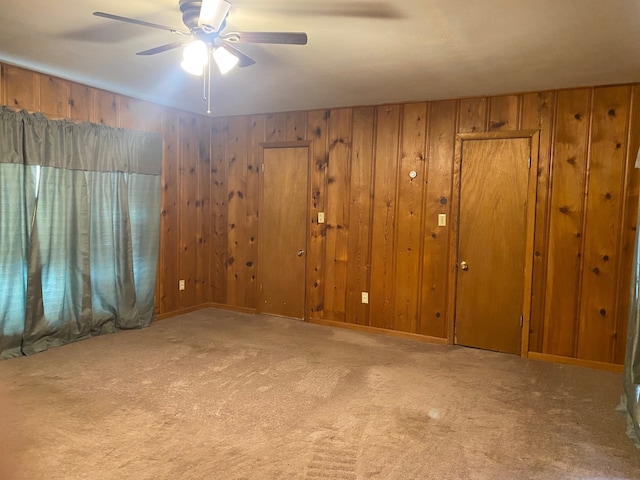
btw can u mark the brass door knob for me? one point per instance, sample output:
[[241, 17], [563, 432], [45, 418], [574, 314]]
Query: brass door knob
[[464, 265]]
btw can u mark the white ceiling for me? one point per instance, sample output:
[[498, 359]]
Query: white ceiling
[[360, 52]]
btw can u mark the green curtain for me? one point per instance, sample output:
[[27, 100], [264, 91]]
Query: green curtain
[[631, 399], [81, 213], [16, 188]]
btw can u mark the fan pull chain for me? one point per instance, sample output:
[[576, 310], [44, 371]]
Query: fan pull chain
[[209, 83], [206, 84], [204, 88]]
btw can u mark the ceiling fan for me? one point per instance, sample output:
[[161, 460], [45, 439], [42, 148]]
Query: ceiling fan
[[205, 20]]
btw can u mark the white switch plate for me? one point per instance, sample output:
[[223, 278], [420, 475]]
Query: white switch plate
[[320, 217], [442, 219], [365, 297], [181, 285]]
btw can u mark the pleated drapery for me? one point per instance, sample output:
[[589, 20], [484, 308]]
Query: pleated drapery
[[79, 230]]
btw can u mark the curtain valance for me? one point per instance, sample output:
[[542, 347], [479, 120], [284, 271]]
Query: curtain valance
[[32, 139]]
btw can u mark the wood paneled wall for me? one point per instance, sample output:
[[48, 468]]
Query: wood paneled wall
[[184, 240], [381, 234]]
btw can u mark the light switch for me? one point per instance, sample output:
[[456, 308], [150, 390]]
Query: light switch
[[365, 297], [442, 219], [181, 285], [320, 217]]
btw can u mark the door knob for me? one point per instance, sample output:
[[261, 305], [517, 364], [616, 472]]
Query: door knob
[[300, 253], [464, 265]]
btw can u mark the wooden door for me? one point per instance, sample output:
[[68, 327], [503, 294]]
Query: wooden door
[[283, 231], [492, 243]]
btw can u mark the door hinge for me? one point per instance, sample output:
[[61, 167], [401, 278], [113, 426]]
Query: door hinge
[[529, 162], [262, 168], [521, 321]]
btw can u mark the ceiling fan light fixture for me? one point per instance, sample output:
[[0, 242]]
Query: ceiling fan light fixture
[[225, 59], [196, 70], [196, 56], [212, 14]]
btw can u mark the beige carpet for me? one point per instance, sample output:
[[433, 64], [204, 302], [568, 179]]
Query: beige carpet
[[221, 395]]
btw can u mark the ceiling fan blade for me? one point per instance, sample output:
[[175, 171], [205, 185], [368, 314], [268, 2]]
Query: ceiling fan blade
[[162, 48], [212, 14], [284, 38], [139, 22], [245, 60]]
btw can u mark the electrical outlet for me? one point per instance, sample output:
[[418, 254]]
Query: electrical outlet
[[442, 219], [365, 297], [320, 217], [181, 285]]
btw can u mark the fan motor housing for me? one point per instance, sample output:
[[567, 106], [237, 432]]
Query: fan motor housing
[[190, 13]]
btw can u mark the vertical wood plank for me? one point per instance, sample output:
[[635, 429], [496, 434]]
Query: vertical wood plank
[[218, 272], [472, 115], [337, 214], [238, 274], [566, 228], [54, 97], [275, 127], [358, 256], [317, 133], [504, 112], [295, 126], [203, 210], [606, 174], [435, 269], [538, 110], [256, 136], [21, 88], [188, 210], [105, 108], [132, 113], [169, 227], [81, 104], [408, 243], [382, 291], [628, 228], [153, 117]]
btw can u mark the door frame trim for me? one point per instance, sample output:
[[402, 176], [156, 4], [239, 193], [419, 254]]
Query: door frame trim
[[259, 271], [534, 136]]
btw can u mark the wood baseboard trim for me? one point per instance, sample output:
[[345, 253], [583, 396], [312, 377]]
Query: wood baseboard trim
[[234, 308], [195, 308], [175, 313], [545, 357], [380, 331]]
